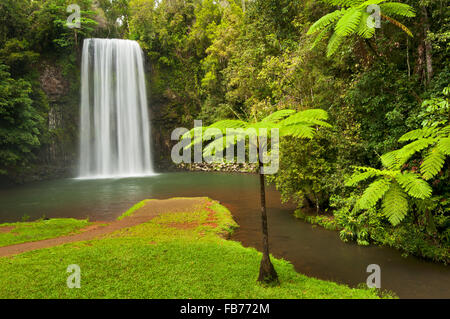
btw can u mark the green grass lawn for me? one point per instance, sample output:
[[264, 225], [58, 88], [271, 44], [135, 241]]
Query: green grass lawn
[[178, 255], [16, 233]]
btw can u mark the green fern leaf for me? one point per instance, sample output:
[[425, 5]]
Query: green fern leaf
[[417, 134], [326, 21], [278, 116], [373, 193], [396, 8], [358, 177], [395, 204], [363, 30], [299, 131], [407, 151], [432, 163], [334, 43], [444, 145], [349, 22], [414, 185]]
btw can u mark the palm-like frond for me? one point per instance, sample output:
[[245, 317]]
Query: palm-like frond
[[344, 3], [352, 18], [417, 134], [349, 22], [326, 21], [363, 30], [432, 163], [334, 43], [397, 8], [373, 193], [414, 186], [395, 204], [278, 116], [409, 150], [444, 145], [358, 177]]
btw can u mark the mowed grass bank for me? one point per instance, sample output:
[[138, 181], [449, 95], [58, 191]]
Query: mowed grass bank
[[176, 255], [16, 233]]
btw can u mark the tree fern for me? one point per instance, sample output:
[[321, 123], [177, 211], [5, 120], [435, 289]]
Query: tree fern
[[352, 19], [395, 204], [373, 193]]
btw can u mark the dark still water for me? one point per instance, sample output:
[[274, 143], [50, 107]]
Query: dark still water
[[313, 251]]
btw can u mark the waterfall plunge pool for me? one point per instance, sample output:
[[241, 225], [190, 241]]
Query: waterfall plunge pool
[[312, 250]]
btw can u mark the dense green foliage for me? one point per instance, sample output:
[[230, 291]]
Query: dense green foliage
[[232, 59]]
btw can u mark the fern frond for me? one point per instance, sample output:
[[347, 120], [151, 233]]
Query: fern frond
[[396, 8], [444, 145], [224, 124], [414, 185], [432, 163], [306, 116], [407, 151], [417, 134], [343, 3], [320, 36], [390, 160], [373, 193], [358, 177], [363, 30], [326, 21], [278, 116], [334, 43], [299, 131], [349, 22], [395, 204], [398, 24]]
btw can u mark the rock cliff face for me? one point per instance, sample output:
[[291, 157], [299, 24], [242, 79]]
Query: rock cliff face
[[53, 83], [58, 153]]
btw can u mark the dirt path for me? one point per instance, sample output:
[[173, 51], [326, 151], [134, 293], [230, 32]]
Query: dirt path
[[144, 214]]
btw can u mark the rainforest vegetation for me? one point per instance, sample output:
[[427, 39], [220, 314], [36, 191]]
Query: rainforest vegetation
[[378, 173]]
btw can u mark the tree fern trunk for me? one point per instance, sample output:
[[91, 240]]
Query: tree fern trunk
[[267, 273]]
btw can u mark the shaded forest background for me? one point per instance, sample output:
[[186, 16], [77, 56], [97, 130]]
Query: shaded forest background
[[212, 60]]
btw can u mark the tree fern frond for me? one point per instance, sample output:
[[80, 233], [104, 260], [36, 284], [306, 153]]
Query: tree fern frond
[[217, 145], [373, 193], [299, 131], [278, 116], [390, 160], [432, 163], [349, 22], [395, 204], [414, 185], [407, 151], [358, 177], [326, 21], [417, 134], [334, 43], [306, 116], [343, 3], [398, 24], [321, 36], [396, 8], [363, 30], [444, 145], [224, 124]]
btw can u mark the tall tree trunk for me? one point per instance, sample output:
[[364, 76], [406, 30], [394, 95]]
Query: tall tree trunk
[[428, 51], [267, 273]]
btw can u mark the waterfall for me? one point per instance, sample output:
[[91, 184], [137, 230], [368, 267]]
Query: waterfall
[[114, 128]]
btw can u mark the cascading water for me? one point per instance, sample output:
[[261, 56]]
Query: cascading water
[[114, 130]]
